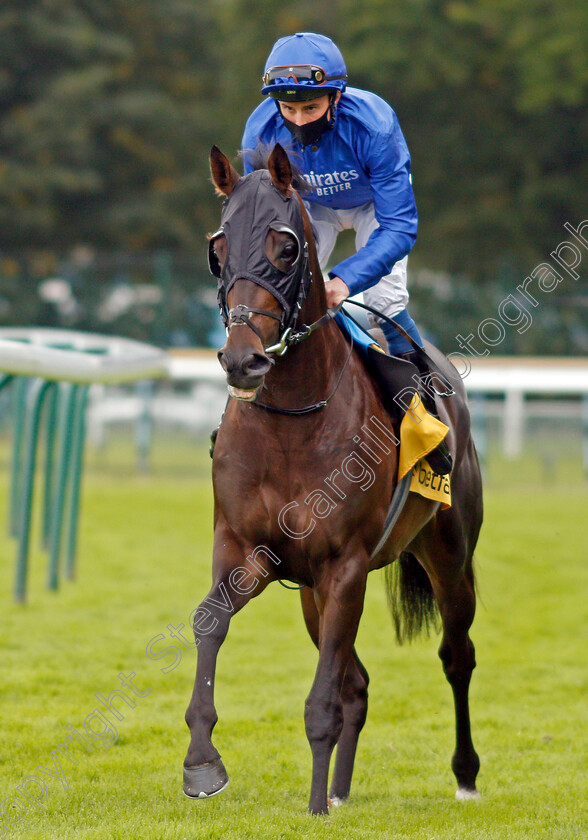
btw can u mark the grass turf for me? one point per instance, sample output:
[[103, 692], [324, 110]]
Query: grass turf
[[145, 547]]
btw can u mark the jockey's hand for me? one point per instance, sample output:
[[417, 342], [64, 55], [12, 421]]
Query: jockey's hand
[[336, 290]]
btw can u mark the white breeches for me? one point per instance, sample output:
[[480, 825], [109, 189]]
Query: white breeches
[[389, 294]]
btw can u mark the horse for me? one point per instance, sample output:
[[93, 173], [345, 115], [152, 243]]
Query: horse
[[296, 498]]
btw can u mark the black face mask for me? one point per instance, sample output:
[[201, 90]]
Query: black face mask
[[253, 209], [311, 132]]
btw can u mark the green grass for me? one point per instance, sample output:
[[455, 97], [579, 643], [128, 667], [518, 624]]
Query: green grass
[[144, 562]]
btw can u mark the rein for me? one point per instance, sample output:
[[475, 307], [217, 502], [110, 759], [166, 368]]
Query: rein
[[308, 409], [241, 315], [291, 338], [448, 391]]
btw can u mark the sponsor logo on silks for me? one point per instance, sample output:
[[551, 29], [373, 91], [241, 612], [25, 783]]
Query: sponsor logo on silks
[[329, 183], [427, 483]]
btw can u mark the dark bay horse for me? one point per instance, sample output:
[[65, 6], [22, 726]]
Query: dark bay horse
[[304, 470]]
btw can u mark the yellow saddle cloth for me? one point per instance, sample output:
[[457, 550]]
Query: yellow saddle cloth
[[420, 433]]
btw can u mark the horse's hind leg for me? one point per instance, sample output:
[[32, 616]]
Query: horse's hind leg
[[456, 601], [340, 603], [354, 696]]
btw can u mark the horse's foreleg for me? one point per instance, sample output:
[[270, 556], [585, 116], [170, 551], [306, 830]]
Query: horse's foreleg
[[457, 607], [235, 585], [340, 603], [354, 698]]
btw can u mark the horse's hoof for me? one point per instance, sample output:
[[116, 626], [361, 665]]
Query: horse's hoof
[[335, 801], [466, 794], [205, 780]]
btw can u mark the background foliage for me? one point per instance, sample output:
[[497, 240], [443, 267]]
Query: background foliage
[[108, 110]]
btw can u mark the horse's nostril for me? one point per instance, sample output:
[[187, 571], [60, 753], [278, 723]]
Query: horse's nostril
[[255, 365], [225, 361]]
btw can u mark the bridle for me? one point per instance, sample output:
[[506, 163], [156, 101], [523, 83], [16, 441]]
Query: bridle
[[291, 301], [254, 208], [283, 214], [289, 335], [241, 315]]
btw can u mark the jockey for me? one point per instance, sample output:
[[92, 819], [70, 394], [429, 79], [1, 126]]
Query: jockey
[[348, 145]]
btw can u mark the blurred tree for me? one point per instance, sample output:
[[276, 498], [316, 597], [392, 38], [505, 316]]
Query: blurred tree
[[492, 97], [105, 108], [250, 27], [108, 110]]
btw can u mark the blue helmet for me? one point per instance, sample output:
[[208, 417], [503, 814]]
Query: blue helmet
[[304, 66]]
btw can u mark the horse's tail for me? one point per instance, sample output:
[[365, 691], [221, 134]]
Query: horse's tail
[[410, 598]]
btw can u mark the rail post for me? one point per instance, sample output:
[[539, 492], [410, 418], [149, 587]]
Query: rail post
[[77, 460], [34, 405], [55, 368]]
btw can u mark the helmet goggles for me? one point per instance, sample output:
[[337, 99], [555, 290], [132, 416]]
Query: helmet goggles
[[300, 81], [298, 73]]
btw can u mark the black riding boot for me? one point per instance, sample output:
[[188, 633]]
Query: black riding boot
[[439, 459]]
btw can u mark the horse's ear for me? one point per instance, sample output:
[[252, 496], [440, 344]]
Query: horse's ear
[[224, 174], [280, 170]]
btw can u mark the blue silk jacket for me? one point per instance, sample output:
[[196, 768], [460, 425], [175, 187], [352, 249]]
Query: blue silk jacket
[[363, 158]]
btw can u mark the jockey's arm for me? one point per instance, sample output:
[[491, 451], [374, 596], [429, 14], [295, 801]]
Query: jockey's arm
[[388, 163]]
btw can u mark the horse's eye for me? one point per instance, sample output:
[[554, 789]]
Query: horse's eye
[[219, 247], [289, 250]]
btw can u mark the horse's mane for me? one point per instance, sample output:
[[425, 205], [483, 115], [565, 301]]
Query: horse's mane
[[257, 158]]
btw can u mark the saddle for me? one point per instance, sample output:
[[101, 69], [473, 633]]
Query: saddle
[[398, 380]]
